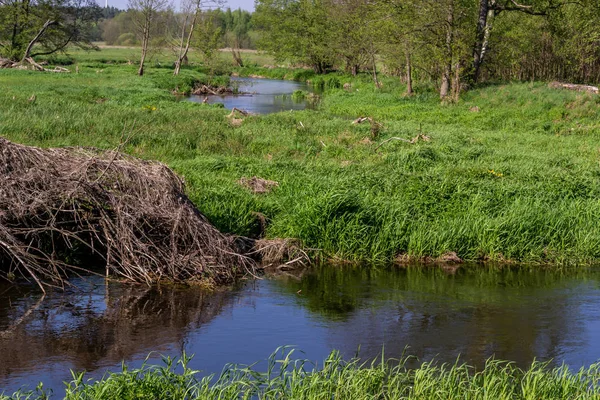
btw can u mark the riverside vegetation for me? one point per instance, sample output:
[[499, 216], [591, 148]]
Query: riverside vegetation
[[510, 172], [287, 378]]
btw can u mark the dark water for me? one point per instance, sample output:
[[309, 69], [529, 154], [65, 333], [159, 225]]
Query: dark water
[[262, 96], [517, 315]]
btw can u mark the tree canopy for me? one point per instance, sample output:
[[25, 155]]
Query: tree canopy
[[37, 27]]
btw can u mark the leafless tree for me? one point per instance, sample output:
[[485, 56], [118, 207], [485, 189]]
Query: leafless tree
[[191, 10], [145, 15]]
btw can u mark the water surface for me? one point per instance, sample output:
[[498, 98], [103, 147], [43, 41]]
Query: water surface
[[477, 313], [260, 96]]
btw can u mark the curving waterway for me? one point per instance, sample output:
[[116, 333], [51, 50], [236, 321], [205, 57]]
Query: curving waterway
[[260, 96], [474, 312]]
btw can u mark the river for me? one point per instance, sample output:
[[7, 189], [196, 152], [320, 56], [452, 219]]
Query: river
[[260, 96], [476, 312]]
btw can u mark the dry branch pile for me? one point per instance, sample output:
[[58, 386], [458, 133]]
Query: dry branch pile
[[131, 215], [206, 89]]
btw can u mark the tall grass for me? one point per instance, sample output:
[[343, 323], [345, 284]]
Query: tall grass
[[511, 172], [289, 378]]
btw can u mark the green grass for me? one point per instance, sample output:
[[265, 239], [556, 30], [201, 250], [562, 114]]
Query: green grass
[[157, 57], [287, 378], [519, 180]]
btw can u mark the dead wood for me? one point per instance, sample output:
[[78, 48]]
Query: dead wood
[[571, 86], [281, 254], [244, 113], [133, 215], [215, 91], [375, 126], [6, 63], [414, 140], [258, 185]]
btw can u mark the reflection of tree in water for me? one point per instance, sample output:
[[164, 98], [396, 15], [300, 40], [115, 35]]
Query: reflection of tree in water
[[102, 325], [516, 314]]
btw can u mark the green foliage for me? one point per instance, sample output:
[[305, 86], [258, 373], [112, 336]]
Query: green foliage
[[297, 379], [299, 95], [51, 26], [296, 30]]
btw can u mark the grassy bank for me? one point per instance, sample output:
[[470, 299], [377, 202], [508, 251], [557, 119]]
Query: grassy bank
[[286, 378], [512, 172]]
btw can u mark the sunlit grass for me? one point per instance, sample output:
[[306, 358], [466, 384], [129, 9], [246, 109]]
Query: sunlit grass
[[285, 377], [512, 172]]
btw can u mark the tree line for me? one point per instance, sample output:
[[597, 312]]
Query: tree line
[[456, 43]]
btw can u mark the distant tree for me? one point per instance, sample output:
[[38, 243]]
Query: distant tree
[[237, 33], [191, 10], [488, 10], [29, 28], [114, 29], [110, 12], [297, 30], [354, 32], [208, 37], [145, 13]]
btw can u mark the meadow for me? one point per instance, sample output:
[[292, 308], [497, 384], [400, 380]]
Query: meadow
[[510, 173]]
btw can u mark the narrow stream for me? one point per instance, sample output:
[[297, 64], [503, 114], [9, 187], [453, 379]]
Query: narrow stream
[[474, 312], [260, 96]]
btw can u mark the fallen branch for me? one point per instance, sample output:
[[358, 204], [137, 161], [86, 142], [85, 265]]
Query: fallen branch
[[244, 113], [414, 140], [571, 86], [375, 126]]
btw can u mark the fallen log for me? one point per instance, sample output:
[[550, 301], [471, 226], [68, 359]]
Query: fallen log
[[6, 63], [571, 86]]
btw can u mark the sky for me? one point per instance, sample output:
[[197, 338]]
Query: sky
[[234, 4]]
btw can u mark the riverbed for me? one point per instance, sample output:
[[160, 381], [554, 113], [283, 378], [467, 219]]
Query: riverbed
[[474, 312], [260, 96]]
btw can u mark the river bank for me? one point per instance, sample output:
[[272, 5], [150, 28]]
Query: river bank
[[509, 174], [297, 379]]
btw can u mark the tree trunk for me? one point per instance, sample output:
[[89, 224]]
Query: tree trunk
[[446, 74], [409, 88], [484, 27], [47, 24], [486, 41], [237, 57], [373, 61], [145, 38], [183, 53], [178, 61], [375, 79], [484, 6], [456, 83]]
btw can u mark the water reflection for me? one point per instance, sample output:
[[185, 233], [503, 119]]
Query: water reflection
[[93, 325], [260, 96], [515, 314]]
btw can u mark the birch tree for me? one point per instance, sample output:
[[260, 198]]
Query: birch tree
[[145, 15], [191, 10]]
